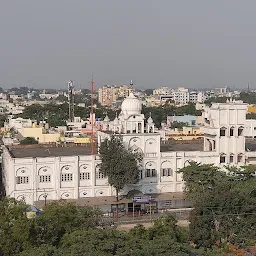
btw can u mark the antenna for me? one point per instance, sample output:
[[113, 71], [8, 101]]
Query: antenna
[[71, 101], [92, 118], [248, 88]]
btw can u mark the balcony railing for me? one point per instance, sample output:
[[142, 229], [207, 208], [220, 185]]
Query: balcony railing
[[150, 154]]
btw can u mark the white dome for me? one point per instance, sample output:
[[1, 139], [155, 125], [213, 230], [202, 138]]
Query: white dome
[[150, 120], [106, 119], [131, 105], [116, 121]]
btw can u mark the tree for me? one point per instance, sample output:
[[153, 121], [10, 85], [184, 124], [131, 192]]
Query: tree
[[178, 125], [160, 113], [2, 120], [42, 250], [216, 100], [148, 92], [248, 97], [120, 165], [93, 242], [14, 227], [29, 141], [59, 218], [224, 204]]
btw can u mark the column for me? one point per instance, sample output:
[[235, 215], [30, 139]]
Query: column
[[57, 178], [34, 180], [76, 178]]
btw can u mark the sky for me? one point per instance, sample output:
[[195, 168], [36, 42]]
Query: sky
[[195, 44]]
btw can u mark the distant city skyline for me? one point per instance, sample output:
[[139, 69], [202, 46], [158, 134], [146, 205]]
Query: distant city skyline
[[194, 44]]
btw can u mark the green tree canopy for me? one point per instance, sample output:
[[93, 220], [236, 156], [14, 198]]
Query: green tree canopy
[[64, 229], [14, 227], [248, 97], [160, 113], [28, 141], [120, 165], [148, 92], [224, 203]]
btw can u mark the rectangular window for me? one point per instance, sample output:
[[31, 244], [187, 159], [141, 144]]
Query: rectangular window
[[167, 172], [240, 131], [222, 132], [141, 174], [66, 177], [231, 159], [45, 178], [84, 175], [239, 158], [153, 172], [150, 173], [22, 180], [100, 175], [222, 159]]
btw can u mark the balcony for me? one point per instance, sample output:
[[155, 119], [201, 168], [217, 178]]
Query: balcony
[[150, 154]]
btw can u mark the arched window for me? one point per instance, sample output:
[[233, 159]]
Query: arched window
[[84, 173], [231, 131], [231, 158], [240, 131], [22, 175], [223, 131], [66, 173], [240, 158], [150, 169], [99, 174], [222, 158]]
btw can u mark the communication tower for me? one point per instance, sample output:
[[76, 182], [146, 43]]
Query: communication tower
[[71, 101]]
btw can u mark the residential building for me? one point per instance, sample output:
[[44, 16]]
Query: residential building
[[109, 94], [162, 91], [250, 128], [193, 97], [48, 96], [180, 96], [188, 119]]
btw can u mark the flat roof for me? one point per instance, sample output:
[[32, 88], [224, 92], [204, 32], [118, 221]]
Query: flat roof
[[24, 151], [50, 151], [182, 146]]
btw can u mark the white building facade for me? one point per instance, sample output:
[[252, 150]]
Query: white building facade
[[73, 173]]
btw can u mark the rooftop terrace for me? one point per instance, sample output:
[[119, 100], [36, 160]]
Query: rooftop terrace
[[48, 151]]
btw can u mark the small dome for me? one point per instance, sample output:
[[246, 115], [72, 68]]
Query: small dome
[[150, 120], [131, 105], [116, 121], [106, 119]]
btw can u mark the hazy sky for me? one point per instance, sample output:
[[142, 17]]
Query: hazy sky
[[193, 43]]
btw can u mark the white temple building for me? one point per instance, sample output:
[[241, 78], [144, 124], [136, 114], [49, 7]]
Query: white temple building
[[40, 172]]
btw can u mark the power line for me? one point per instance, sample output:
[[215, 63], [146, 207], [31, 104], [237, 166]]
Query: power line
[[220, 207], [227, 214]]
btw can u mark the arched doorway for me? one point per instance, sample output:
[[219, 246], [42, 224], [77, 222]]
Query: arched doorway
[[132, 194]]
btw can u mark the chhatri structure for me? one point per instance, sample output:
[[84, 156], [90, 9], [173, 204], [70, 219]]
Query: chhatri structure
[[44, 172]]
